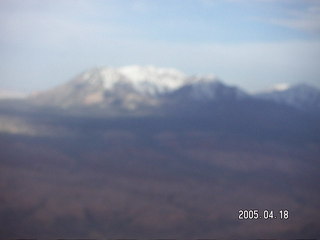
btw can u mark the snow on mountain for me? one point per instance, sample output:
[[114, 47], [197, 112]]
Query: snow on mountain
[[279, 87], [144, 87], [129, 87], [301, 96], [148, 89], [143, 79]]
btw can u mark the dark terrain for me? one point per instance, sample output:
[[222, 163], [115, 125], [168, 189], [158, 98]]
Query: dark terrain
[[184, 174]]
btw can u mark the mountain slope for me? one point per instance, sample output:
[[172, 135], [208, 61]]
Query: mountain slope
[[147, 90], [133, 88], [300, 96]]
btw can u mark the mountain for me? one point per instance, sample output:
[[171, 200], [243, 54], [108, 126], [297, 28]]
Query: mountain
[[133, 88], [145, 90], [199, 152], [168, 97], [301, 96], [151, 91]]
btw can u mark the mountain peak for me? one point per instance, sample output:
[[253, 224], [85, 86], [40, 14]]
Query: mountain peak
[[280, 87], [302, 96], [148, 80], [135, 88]]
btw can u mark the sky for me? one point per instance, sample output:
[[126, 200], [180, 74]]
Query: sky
[[253, 44]]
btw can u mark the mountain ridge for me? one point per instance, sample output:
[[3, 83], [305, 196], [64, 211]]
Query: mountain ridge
[[129, 88], [301, 96], [148, 89]]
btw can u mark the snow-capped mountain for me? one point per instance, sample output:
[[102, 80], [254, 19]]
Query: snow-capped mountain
[[145, 89], [300, 96], [133, 87], [144, 80]]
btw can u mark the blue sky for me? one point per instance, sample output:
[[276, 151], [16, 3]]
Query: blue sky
[[250, 43]]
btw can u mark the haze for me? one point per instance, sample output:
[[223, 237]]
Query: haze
[[252, 44]]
